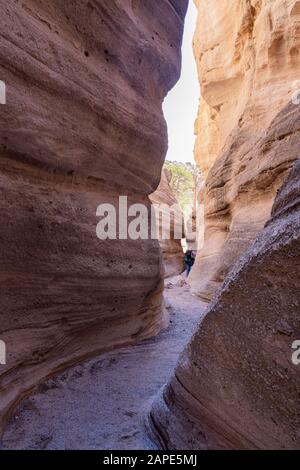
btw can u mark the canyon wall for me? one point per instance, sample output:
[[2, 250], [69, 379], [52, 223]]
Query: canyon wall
[[247, 53], [235, 386], [168, 210], [82, 124]]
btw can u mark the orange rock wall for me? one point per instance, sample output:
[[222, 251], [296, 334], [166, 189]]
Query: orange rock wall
[[248, 60]]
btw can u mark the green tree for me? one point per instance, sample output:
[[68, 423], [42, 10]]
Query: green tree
[[186, 180]]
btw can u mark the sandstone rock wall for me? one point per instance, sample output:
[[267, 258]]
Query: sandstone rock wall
[[235, 386], [82, 125], [248, 59], [168, 209]]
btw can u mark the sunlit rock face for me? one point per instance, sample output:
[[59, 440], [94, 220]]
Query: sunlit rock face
[[236, 386], [248, 60], [170, 224], [82, 125]]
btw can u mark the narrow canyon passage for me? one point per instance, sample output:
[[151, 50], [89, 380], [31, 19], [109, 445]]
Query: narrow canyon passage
[[102, 403], [84, 159]]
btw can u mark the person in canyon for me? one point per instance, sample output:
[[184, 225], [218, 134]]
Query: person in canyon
[[189, 259]]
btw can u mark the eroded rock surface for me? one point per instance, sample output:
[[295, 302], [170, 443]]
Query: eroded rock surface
[[235, 386], [82, 125], [248, 127], [169, 222]]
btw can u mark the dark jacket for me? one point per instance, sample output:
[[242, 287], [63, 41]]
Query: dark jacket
[[189, 258]]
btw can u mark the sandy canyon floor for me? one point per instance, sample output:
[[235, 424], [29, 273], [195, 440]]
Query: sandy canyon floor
[[101, 403]]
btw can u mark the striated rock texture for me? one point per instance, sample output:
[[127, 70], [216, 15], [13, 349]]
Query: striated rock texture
[[235, 386], [82, 125], [248, 59], [168, 209]]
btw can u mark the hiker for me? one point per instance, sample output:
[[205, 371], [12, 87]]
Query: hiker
[[189, 259]]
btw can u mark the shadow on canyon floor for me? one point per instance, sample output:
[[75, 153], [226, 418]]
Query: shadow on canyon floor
[[101, 403]]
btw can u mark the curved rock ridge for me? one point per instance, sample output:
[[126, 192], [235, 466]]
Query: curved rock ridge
[[235, 386], [82, 124], [248, 59]]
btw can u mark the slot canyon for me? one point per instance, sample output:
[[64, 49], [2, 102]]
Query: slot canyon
[[109, 345]]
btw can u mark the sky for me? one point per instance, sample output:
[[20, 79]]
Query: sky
[[181, 104]]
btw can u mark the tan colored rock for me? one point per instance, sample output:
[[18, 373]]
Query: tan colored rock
[[82, 125], [168, 209], [248, 59], [235, 386]]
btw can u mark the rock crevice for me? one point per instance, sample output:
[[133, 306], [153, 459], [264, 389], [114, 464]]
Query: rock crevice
[[82, 125], [235, 386]]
